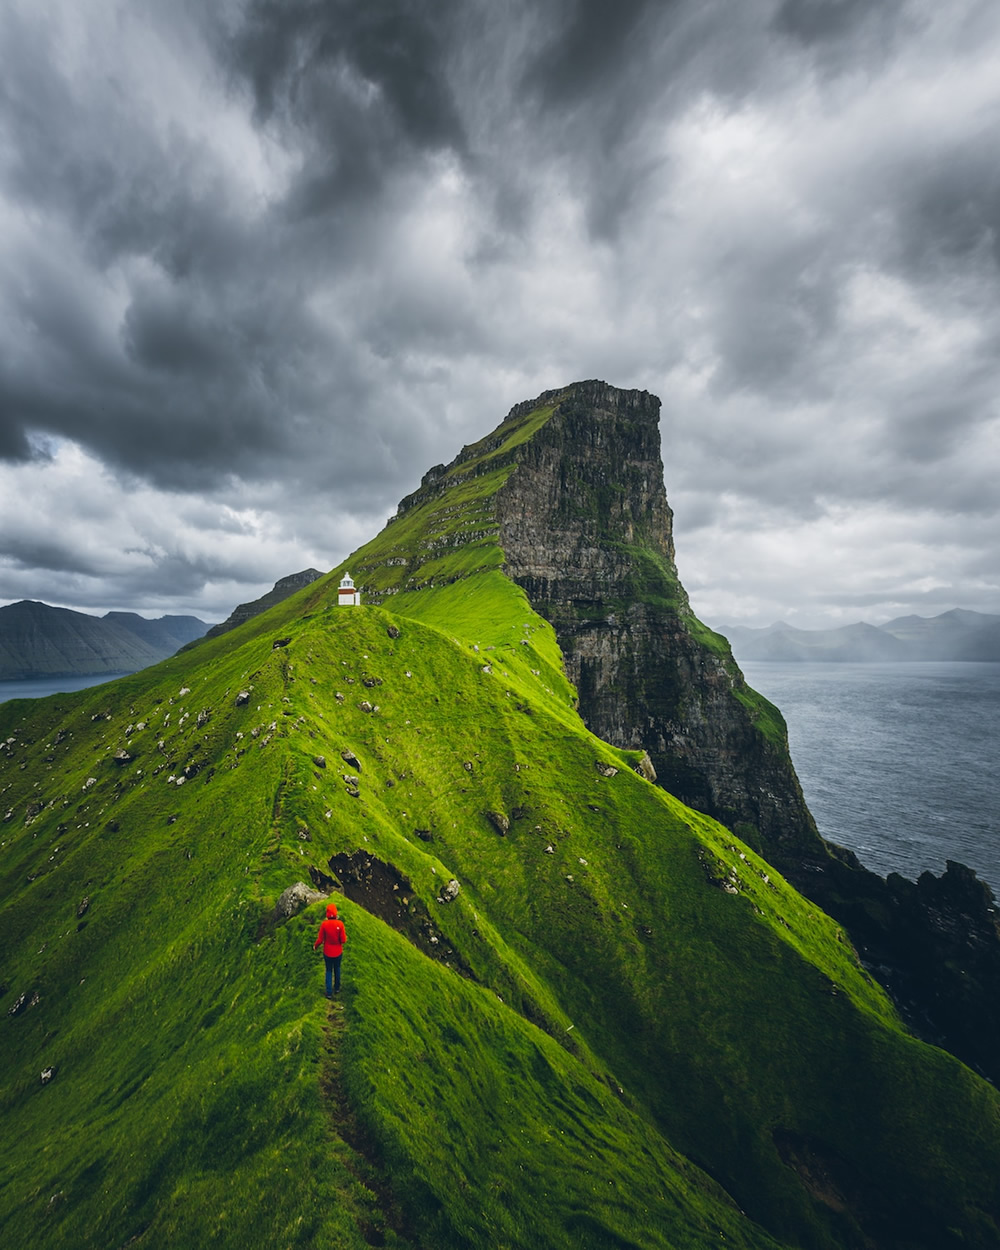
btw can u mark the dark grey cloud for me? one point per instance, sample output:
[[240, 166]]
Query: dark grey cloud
[[262, 263], [362, 87]]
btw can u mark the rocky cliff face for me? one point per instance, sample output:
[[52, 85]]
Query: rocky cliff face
[[587, 532]]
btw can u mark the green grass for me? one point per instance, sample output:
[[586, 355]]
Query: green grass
[[611, 1029]]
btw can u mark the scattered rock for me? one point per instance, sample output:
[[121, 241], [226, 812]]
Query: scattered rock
[[292, 900], [371, 682], [319, 761], [47, 1075], [22, 1002], [350, 758], [242, 697], [305, 835], [83, 907], [122, 756], [499, 822], [606, 770], [280, 642], [450, 892], [392, 631], [645, 767], [365, 706], [203, 717], [423, 834]]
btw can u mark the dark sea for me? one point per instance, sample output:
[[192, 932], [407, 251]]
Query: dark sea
[[898, 762]]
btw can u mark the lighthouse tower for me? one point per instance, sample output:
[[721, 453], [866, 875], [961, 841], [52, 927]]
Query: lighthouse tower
[[347, 595]]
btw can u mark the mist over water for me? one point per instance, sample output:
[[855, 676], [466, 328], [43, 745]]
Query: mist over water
[[898, 762], [39, 687]]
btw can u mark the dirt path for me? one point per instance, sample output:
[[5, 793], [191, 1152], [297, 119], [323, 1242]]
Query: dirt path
[[367, 1191]]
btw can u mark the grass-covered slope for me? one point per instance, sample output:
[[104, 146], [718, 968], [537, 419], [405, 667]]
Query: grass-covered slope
[[623, 1030]]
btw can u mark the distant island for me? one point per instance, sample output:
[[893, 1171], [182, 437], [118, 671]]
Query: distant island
[[37, 640], [954, 635]]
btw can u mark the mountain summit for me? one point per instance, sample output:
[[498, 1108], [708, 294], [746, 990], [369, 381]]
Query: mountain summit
[[576, 1010]]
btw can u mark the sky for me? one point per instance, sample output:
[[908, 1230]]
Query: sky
[[263, 263]]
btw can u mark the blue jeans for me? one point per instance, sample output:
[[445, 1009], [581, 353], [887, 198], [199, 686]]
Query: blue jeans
[[332, 972]]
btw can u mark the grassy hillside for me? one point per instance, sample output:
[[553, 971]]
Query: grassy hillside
[[624, 1029]]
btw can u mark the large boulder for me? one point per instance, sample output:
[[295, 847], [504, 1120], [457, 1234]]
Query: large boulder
[[292, 901]]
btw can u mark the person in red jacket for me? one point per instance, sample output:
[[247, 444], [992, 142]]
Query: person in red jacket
[[333, 935]]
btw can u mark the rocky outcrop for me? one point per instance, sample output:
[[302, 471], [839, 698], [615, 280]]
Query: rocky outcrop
[[934, 944], [292, 901]]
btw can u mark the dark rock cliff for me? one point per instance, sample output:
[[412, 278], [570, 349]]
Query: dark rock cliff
[[587, 532]]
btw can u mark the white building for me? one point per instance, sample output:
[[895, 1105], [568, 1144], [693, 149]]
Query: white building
[[347, 595]]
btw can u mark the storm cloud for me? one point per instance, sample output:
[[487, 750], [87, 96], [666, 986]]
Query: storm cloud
[[262, 264]]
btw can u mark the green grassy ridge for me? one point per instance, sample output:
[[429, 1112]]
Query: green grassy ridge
[[513, 432], [179, 1136], [690, 989], [479, 1097]]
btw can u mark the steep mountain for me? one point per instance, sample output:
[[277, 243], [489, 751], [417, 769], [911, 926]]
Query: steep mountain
[[281, 589], [576, 1011], [37, 640], [954, 635], [585, 530]]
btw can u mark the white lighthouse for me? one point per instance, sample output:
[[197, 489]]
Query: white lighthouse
[[348, 596]]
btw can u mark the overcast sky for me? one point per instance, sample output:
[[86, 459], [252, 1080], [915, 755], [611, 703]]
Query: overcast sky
[[262, 264]]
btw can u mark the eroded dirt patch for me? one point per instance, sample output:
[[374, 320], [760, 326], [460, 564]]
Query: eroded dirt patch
[[382, 889]]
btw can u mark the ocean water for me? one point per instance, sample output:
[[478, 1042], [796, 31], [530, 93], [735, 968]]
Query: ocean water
[[38, 688], [898, 762]]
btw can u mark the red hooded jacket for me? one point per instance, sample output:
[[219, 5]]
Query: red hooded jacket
[[332, 933]]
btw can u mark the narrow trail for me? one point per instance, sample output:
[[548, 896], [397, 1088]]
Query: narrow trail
[[366, 1188]]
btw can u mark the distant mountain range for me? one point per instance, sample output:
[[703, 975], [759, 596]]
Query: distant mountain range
[[37, 640], [954, 635]]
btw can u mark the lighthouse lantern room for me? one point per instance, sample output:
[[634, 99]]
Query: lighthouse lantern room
[[348, 596]]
